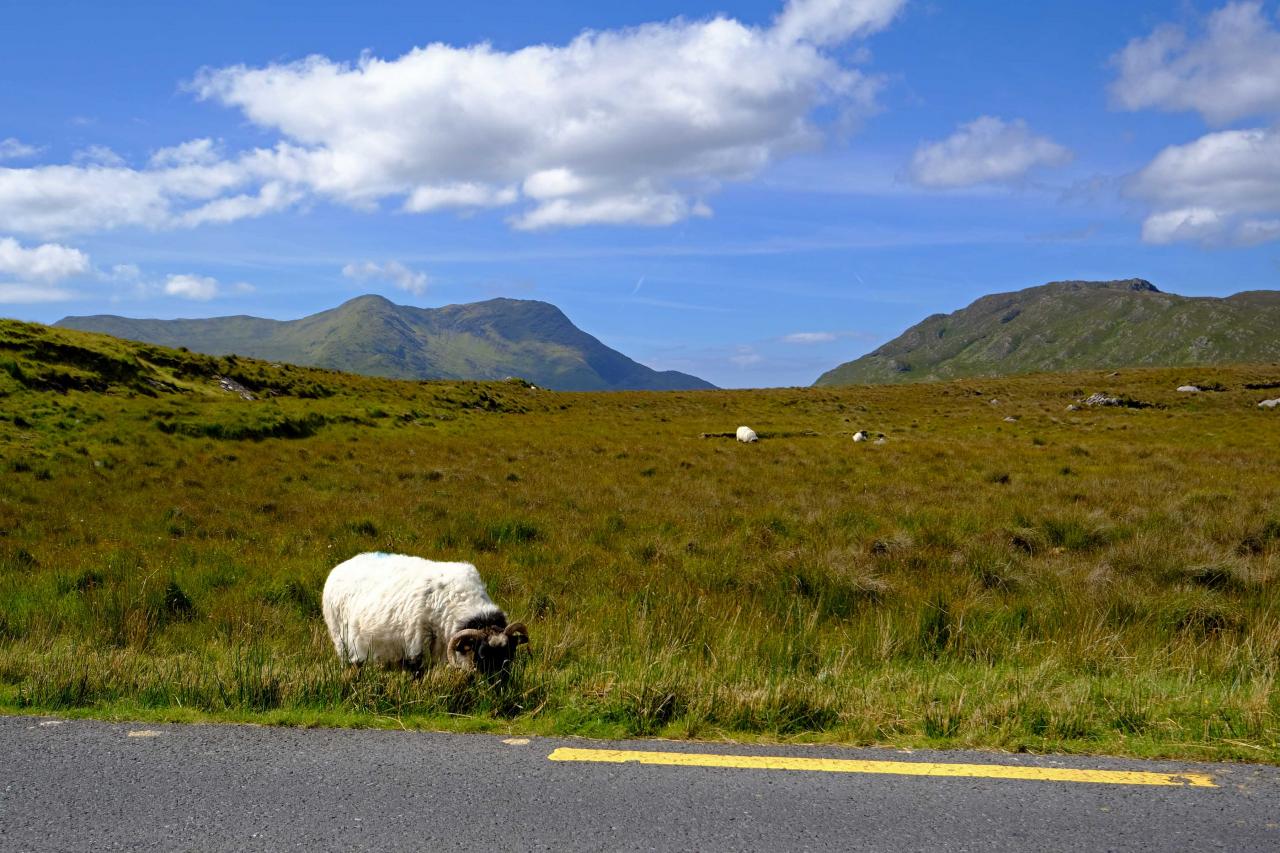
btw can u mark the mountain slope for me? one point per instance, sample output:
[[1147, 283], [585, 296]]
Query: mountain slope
[[1070, 325], [371, 335]]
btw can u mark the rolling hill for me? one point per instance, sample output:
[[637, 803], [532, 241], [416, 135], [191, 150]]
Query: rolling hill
[[1069, 325], [371, 335]]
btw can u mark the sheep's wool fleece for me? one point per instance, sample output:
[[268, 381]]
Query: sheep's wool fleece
[[390, 607], [746, 433]]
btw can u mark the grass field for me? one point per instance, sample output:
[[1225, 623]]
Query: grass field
[[1103, 580]]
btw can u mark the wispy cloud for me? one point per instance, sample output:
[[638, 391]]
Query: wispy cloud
[[745, 356], [1067, 235], [393, 271], [97, 155], [673, 304], [808, 337], [30, 294], [13, 149]]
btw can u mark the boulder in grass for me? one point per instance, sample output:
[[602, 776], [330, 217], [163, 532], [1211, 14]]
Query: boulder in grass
[[1101, 400]]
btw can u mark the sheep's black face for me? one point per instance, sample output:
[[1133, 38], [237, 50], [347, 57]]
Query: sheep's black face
[[490, 650], [495, 655]]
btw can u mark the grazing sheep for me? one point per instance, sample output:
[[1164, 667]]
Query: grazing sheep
[[861, 435], [747, 434], [391, 608]]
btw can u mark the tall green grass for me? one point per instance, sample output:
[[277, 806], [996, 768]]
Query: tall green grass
[[1100, 580]]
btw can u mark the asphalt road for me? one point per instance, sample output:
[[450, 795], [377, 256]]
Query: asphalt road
[[87, 786]]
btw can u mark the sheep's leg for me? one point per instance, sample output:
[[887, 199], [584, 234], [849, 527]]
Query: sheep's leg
[[416, 648], [342, 644], [352, 671]]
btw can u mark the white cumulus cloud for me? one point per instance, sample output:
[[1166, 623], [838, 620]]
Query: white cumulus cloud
[[1223, 188], [623, 126], [987, 150], [628, 126], [459, 195], [65, 199], [1250, 232], [201, 288], [392, 271], [270, 197], [49, 262], [195, 152], [1228, 70]]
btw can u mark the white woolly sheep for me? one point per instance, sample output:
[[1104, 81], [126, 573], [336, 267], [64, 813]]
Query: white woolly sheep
[[861, 435], [389, 608], [747, 434]]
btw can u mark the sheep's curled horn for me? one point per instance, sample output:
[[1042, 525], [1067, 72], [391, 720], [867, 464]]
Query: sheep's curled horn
[[515, 631]]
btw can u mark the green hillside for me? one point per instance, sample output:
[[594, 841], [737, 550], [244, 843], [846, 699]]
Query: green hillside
[[1070, 325], [370, 335]]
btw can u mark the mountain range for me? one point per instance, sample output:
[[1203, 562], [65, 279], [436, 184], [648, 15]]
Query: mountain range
[[1068, 325], [371, 335]]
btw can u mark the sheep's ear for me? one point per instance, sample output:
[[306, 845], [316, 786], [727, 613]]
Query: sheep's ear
[[517, 632]]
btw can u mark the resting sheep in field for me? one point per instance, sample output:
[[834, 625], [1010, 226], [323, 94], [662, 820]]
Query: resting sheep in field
[[388, 608], [747, 434]]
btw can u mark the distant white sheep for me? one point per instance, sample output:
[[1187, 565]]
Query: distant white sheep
[[861, 435], [747, 434], [393, 608]]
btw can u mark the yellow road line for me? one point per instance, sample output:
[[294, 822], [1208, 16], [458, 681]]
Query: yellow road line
[[898, 768]]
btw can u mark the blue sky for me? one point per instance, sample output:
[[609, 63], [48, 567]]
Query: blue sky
[[752, 192]]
